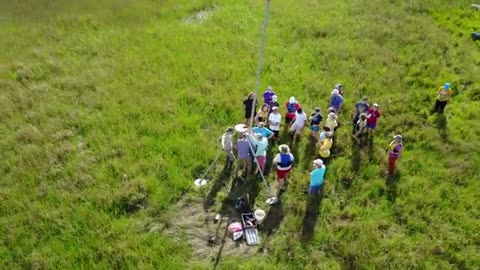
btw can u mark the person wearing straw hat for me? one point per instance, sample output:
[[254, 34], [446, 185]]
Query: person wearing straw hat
[[394, 152], [372, 118], [317, 177], [315, 120], [244, 160], [274, 121], [292, 106], [331, 123], [325, 145], [268, 94], [283, 161], [444, 94], [336, 100], [227, 145], [260, 150]]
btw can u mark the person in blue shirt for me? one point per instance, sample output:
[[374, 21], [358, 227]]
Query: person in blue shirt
[[261, 129], [336, 100], [317, 177]]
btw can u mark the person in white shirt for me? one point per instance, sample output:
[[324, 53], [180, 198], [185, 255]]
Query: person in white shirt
[[274, 122], [227, 145], [298, 123]]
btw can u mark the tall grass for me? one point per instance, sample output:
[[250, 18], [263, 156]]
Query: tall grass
[[109, 110]]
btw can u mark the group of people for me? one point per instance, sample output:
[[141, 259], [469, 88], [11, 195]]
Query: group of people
[[253, 143]]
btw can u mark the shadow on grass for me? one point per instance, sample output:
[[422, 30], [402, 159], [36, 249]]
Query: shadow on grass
[[273, 219], [252, 189], [218, 183], [269, 162], [371, 148], [356, 158], [442, 126], [311, 217], [309, 153], [391, 183]]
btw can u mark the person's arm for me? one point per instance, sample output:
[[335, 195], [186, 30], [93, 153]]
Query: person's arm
[[276, 159], [270, 134]]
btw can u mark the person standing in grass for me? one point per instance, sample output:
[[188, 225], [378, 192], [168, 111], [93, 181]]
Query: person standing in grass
[[249, 107], [372, 118], [336, 100], [273, 103], [315, 120], [326, 145], [331, 122], [339, 87], [284, 162], [394, 152], [444, 94], [227, 145], [317, 177], [261, 144], [361, 128], [261, 129], [361, 106], [274, 122], [268, 94], [262, 114], [292, 106], [298, 123], [244, 160]]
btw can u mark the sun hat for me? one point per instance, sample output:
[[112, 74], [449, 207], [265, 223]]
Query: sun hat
[[446, 86], [398, 137], [274, 108], [269, 88], [258, 136], [329, 134], [335, 92], [332, 115], [274, 98], [318, 162], [284, 148], [364, 98], [292, 100], [375, 105], [338, 86]]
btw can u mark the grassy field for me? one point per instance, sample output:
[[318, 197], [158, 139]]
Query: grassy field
[[110, 109]]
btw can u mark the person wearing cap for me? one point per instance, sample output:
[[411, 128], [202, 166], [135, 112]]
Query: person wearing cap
[[315, 120], [326, 145], [227, 145], [298, 123], [262, 114], [261, 129], [394, 151], [336, 100], [444, 94], [331, 122], [273, 103], [259, 146], [283, 162], [372, 118], [317, 177], [268, 94], [339, 87], [244, 160], [361, 106], [250, 107], [292, 106], [274, 121], [361, 128]]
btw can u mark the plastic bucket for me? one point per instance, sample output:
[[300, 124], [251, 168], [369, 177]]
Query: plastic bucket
[[260, 215]]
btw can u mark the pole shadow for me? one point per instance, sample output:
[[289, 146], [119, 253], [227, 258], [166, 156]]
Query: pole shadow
[[311, 216], [220, 181], [309, 153], [391, 184], [273, 219]]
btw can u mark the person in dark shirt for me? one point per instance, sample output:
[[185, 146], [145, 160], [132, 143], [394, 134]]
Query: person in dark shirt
[[315, 120], [250, 107]]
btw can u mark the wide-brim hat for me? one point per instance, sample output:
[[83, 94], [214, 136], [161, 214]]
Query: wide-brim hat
[[280, 147]]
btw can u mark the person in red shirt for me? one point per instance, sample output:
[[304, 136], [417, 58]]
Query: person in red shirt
[[292, 106], [372, 118]]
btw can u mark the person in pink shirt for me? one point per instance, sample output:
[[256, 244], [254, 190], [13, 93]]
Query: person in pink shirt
[[372, 118]]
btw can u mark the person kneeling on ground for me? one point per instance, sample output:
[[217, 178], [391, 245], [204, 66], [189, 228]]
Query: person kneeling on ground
[[298, 123], [317, 177], [283, 161], [244, 160], [261, 144]]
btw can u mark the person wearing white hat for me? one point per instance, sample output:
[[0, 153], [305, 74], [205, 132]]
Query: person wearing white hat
[[331, 122], [317, 177], [274, 121], [372, 118], [283, 161], [394, 152], [292, 106], [336, 100]]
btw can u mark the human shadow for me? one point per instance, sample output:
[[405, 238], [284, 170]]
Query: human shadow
[[442, 126], [218, 183], [371, 148], [311, 217], [252, 189], [310, 148], [269, 162], [356, 156], [391, 184], [273, 219]]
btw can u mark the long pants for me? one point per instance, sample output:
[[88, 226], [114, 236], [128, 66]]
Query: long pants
[[391, 164], [439, 106]]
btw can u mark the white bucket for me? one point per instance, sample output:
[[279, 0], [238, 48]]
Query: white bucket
[[260, 215]]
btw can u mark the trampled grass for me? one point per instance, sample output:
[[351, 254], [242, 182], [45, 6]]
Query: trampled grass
[[110, 109]]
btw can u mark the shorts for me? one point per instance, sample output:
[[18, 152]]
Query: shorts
[[298, 129], [371, 126], [315, 128], [261, 162], [281, 174], [314, 189]]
